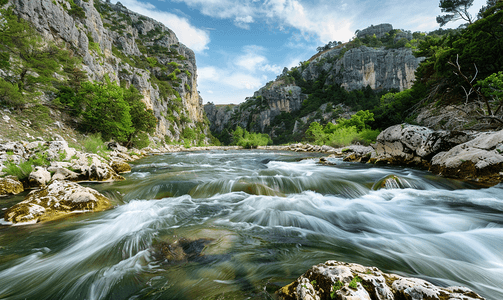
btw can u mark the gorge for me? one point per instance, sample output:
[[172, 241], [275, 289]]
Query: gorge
[[151, 206]]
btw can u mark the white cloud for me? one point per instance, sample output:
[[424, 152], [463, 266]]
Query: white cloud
[[243, 22], [271, 69], [323, 21], [250, 61], [193, 37], [245, 73]]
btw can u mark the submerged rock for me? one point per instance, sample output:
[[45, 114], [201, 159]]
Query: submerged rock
[[346, 281], [391, 182], [9, 185], [54, 201], [195, 245]]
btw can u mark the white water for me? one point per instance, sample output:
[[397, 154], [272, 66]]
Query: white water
[[439, 230]]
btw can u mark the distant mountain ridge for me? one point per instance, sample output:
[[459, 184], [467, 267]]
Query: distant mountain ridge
[[366, 62]]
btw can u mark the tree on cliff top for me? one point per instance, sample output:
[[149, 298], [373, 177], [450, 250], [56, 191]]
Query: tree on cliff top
[[455, 9]]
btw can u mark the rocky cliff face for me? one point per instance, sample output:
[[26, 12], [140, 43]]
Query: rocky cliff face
[[351, 68], [364, 66], [128, 48]]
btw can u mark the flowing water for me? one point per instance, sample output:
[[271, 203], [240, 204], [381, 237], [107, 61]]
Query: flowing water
[[240, 224]]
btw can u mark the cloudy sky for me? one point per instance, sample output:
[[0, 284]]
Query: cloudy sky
[[240, 45]]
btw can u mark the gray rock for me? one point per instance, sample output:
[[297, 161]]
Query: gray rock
[[338, 280], [63, 174], [378, 30], [354, 69], [415, 145], [52, 20], [39, 177], [479, 159]]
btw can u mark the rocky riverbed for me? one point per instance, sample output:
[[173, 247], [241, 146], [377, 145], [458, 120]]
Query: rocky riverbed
[[465, 155]]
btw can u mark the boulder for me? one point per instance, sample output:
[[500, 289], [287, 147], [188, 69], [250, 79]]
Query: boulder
[[63, 174], [59, 150], [39, 177], [9, 185], [406, 144], [347, 281], [480, 159], [55, 201], [120, 166]]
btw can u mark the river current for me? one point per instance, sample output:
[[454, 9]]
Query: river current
[[240, 224]]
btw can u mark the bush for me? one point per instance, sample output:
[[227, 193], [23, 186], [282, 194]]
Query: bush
[[241, 137], [94, 144], [10, 94], [140, 140], [345, 132]]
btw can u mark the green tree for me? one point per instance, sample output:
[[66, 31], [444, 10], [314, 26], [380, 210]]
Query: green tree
[[142, 119], [105, 110], [315, 132], [492, 88], [455, 9]]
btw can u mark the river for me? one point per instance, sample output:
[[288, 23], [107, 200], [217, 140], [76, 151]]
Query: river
[[240, 224]]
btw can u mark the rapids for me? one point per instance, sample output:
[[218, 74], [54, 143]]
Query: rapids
[[248, 222]]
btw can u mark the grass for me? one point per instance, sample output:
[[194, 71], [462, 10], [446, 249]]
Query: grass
[[22, 171], [94, 144]]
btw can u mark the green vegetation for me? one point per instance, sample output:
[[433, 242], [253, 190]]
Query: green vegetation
[[354, 282], [23, 169], [36, 63], [107, 108], [336, 287], [241, 137], [345, 132], [94, 144]]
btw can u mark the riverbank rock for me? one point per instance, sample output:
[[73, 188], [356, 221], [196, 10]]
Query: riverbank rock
[[480, 159], [347, 281], [120, 166], [414, 145], [39, 177], [10, 186], [55, 201]]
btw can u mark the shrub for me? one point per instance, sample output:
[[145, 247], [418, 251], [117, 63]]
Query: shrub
[[10, 94], [345, 132], [241, 137], [94, 144]]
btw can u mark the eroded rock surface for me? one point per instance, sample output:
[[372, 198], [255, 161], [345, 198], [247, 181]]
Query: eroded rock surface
[[406, 144], [54, 201], [347, 281], [479, 159], [10, 186]]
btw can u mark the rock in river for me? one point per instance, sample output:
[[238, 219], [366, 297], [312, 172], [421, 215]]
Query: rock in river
[[346, 281], [10, 186], [54, 201]]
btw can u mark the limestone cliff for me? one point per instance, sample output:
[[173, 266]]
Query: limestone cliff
[[348, 66], [128, 48]]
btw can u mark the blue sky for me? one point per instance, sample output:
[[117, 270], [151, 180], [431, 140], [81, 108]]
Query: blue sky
[[240, 45]]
